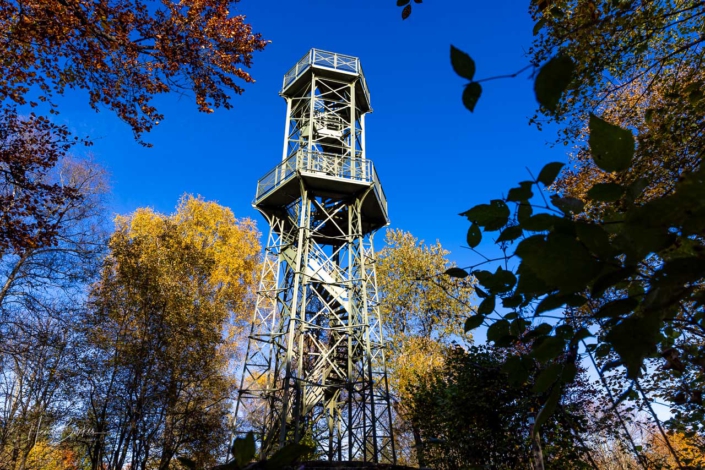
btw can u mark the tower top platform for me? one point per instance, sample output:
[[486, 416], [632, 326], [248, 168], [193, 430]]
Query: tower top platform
[[330, 65]]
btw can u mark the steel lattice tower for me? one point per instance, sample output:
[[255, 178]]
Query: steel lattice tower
[[315, 361]]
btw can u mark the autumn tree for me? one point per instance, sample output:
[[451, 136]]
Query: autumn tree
[[423, 313], [171, 296], [122, 53], [42, 289]]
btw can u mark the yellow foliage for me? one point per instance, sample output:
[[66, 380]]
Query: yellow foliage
[[689, 451], [416, 298], [44, 456]]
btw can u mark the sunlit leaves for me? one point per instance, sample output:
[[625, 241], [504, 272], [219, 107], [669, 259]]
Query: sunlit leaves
[[124, 54], [552, 80], [612, 147]]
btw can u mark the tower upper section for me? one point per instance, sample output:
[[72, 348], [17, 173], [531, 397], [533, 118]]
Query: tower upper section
[[326, 64], [324, 150]]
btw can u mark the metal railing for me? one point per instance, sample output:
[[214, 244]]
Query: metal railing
[[331, 60], [351, 168]]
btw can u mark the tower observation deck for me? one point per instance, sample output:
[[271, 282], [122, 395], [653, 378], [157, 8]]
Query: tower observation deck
[[315, 362]]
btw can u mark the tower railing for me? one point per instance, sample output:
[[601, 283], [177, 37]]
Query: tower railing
[[323, 164], [330, 60]]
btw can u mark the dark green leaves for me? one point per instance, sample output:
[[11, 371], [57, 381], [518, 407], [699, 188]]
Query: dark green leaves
[[471, 95], [559, 260], [510, 233], [552, 81], [285, 456], [522, 193], [487, 306], [244, 450], [498, 330], [462, 63], [474, 237], [606, 192], [464, 66], [456, 272], [492, 216], [549, 173], [550, 348], [612, 147], [473, 322]]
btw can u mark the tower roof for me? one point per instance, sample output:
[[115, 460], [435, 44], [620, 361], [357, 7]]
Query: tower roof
[[328, 64]]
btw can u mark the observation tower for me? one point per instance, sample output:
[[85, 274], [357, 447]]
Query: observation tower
[[315, 362]]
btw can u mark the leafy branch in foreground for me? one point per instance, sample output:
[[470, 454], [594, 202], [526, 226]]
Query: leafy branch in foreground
[[628, 278], [244, 452]]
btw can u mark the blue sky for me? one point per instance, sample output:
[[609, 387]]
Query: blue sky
[[434, 158]]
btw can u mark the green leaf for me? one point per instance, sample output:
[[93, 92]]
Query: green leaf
[[522, 193], [549, 173], [569, 205], [287, 455], [540, 222], [569, 373], [547, 377], [481, 293], [244, 449], [487, 306], [552, 81], [401, 3], [594, 238], [513, 301], [510, 233], [612, 147], [474, 236], [548, 349], [548, 408], [606, 192], [492, 216], [617, 308], [517, 370], [610, 279], [471, 95], [580, 335], [456, 272], [524, 212], [554, 301], [502, 280], [633, 339], [538, 26], [187, 462], [560, 261], [498, 330], [473, 322], [462, 63]]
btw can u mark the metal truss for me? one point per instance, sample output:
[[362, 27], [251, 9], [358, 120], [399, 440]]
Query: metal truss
[[315, 361]]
